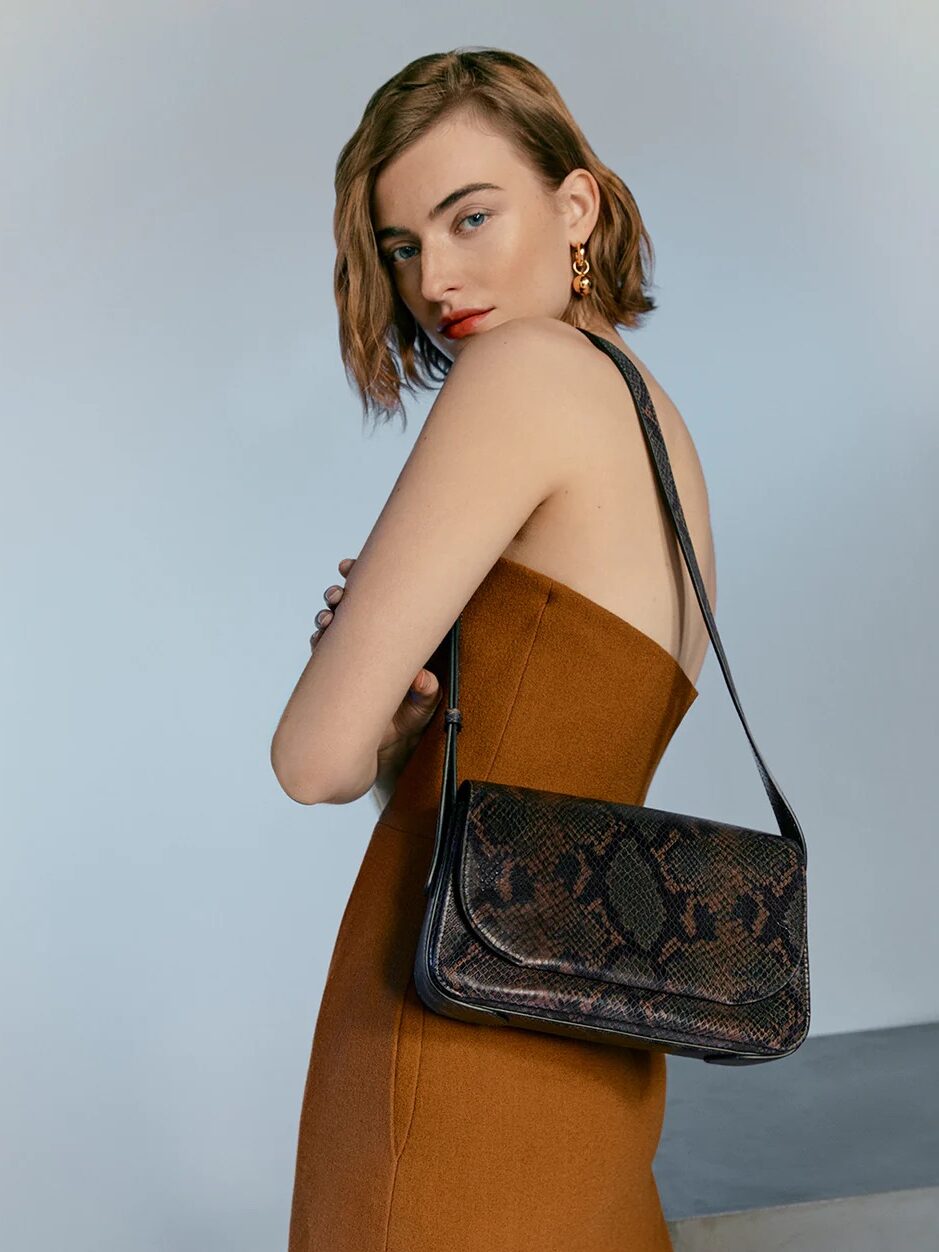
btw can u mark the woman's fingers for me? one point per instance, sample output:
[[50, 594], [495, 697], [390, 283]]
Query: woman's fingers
[[332, 595]]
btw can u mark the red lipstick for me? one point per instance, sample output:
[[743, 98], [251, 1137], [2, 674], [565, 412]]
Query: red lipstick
[[462, 322]]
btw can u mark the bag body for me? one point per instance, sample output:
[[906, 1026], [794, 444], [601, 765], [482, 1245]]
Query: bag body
[[615, 922], [620, 923]]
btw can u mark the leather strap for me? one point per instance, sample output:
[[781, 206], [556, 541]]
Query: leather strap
[[786, 819]]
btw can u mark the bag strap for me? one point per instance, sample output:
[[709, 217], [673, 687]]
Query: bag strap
[[788, 823]]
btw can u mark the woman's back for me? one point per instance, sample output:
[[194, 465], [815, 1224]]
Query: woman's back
[[607, 533]]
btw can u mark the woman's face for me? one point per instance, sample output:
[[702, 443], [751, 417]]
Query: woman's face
[[504, 247]]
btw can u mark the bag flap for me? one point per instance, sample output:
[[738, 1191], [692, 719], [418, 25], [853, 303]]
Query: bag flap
[[630, 895]]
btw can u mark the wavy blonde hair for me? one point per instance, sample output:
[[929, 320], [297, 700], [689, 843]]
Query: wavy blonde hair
[[383, 348]]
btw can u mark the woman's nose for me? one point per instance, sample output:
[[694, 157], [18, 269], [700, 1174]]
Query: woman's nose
[[436, 279]]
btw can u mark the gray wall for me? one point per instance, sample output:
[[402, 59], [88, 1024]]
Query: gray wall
[[184, 465]]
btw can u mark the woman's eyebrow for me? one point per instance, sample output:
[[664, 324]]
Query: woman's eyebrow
[[447, 202]]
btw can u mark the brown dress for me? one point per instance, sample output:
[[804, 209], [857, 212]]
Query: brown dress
[[419, 1133]]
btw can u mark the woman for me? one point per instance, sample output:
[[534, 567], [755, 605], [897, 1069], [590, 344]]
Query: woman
[[529, 503]]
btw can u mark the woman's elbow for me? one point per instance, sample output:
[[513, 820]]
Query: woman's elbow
[[306, 786]]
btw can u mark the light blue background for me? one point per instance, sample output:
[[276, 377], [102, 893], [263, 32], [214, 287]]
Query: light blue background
[[184, 465]]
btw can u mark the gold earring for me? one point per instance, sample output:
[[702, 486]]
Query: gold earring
[[581, 284]]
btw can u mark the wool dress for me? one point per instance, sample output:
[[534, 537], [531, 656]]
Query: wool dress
[[420, 1133]]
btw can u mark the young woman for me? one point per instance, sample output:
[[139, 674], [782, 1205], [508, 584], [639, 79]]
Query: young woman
[[470, 210]]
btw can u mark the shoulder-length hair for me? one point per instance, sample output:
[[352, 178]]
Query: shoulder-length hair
[[377, 333]]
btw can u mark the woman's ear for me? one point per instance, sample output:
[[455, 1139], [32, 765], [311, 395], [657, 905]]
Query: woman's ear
[[580, 200]]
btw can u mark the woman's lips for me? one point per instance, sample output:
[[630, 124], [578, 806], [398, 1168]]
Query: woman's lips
[[459, 330]]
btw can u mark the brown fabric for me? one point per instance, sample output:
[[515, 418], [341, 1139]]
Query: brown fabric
[[419, 1133]]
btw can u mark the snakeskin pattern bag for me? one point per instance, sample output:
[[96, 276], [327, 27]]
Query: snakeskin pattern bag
[[615, 922]]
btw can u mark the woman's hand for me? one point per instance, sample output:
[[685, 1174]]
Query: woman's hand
[[415, 710]]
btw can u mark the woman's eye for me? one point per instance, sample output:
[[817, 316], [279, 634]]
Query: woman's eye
[[480, 213], [393, 257]]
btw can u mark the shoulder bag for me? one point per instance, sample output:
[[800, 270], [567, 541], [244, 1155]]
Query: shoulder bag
[[615, 922]]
